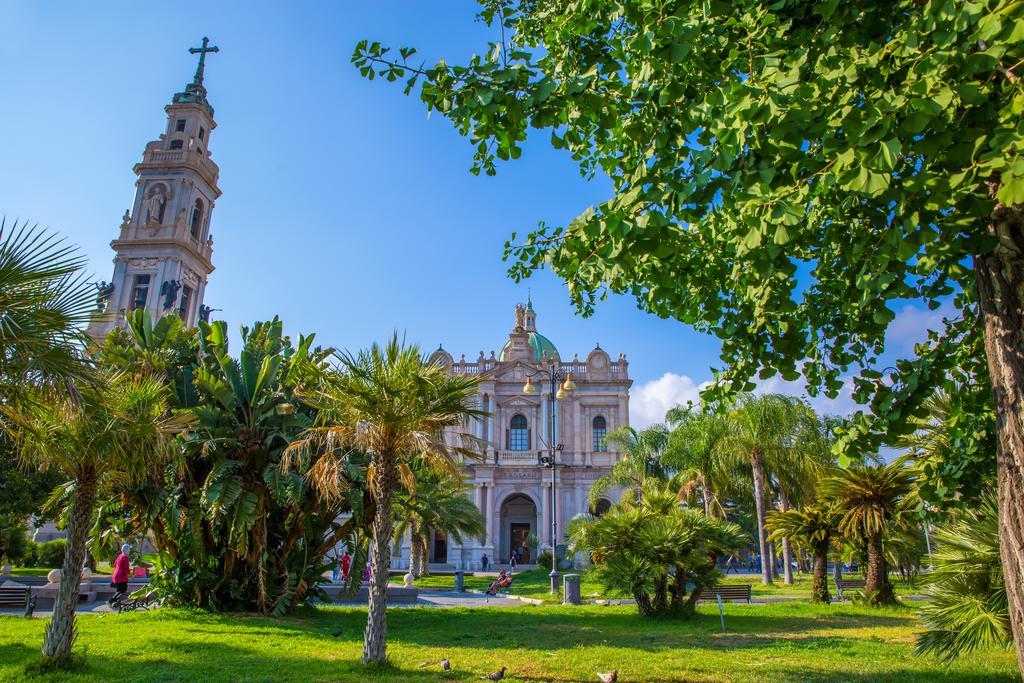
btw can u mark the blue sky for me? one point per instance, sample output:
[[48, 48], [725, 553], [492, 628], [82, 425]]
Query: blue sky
[[346, 209]]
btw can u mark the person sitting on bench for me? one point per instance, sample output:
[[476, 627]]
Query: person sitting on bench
[[504, 580]]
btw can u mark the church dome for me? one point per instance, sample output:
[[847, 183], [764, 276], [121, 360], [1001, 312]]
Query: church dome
[[538, 342]]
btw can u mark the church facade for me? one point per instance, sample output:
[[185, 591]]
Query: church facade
[[164, 249], [511, 486]]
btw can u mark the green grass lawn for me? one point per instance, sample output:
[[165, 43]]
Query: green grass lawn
[[801, 587], [777, 642], [528, 584], [536, 584]]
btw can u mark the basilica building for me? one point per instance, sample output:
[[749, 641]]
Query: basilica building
[[163, 257], [511, 484]]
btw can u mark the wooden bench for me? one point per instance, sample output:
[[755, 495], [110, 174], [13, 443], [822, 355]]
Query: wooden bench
[[843, 585], [18, 596], [728, 592], [14, 596]]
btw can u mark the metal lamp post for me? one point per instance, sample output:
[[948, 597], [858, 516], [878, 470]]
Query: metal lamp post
[[555, 392]]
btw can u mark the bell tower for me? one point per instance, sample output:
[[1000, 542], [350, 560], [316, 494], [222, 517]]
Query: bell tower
[[162, 256]]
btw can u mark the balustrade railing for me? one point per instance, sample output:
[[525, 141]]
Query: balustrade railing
[[186, 155], [518, 458]]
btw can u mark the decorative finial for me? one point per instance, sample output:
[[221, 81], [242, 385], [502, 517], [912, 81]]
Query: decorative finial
[[529, 299]]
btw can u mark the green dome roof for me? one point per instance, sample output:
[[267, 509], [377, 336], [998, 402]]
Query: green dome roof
[[538, 342]]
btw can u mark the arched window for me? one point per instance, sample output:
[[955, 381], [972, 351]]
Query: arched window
[[518, 434], [197, 218], [600, 427], [177, 144]]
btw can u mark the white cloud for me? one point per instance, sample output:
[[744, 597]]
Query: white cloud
[[649, 402], [911, 325]]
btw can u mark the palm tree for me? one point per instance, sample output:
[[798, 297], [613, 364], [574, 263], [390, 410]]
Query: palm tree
[[236, 525], [871, 500], [116, 431], [641, 458], [649, 546], [391, 404], [812, 526], [763, 431], [45, 301], [797, 467], [966, 607], [437, 503], [695, 450]]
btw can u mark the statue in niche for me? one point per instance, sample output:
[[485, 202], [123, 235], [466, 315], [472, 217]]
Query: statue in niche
[[520, 316], [169, 290], [155, 206], [104, 290]]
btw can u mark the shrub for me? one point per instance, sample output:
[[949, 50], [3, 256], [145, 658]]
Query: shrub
[[544, 559], [649, 547], [13, 541], [967, 607], [51, 553]]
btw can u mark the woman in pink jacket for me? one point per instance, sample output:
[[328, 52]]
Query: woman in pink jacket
[[122, 569]]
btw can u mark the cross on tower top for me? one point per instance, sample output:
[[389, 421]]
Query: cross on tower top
[[195, 92], [201, 51]]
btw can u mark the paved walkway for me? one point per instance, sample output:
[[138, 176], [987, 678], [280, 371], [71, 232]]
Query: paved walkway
[[447, 599]]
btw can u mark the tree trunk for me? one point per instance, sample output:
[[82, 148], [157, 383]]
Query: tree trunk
[[999, 278], [415, 550], [661, 593], [819, 592], [424, 567], [762, 540], [787, 547], [877, 585], [375, 639], [60, 632], [775, 560]]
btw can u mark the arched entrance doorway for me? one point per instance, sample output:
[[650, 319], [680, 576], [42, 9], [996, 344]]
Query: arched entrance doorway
[[439, 548], [518, 519]]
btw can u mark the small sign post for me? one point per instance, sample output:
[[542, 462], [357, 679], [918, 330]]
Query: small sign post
[[721, 611]]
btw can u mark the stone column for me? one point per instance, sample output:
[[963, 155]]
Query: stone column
[[479, 502], [495, 523], [545, 492]]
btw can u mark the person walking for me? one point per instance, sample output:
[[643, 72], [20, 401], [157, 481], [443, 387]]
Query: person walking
[[346, 565], [730, 565], [512, 561], [484, 562], [122, 569], [336, 568]]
